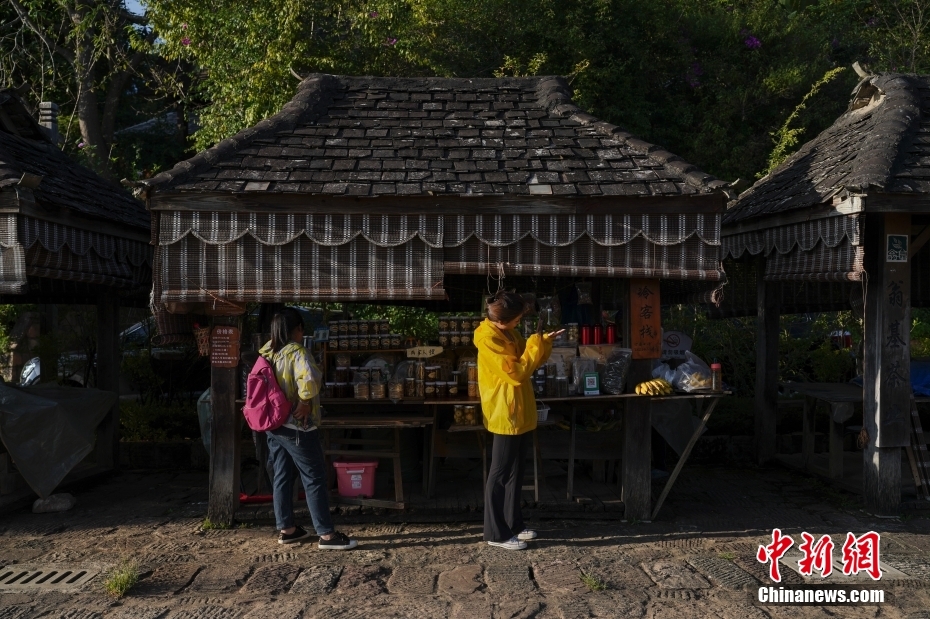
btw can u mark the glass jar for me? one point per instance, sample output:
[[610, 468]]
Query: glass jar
[[395, 340], [561, 386], [410, 387], [343, 343], [361, 376], [363, 327], [334, 329], [353, 327], [716, 377], [385, 327], [353, 342], [342, 390], [442, 390], [396, 390], [341, 375], [467, 324], [472, 370], [457, 377], [432, 373], [429, 391], [378, 391], [443, 338], [471, 415], [473, 389], [465, 338], [385, 341], [362, 391], [455, 339], [329, 390], [363, 342], [443, 323], [421, 370], [452, 388]]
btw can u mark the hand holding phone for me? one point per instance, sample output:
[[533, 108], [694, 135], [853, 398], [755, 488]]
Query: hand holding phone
[[555, 334]]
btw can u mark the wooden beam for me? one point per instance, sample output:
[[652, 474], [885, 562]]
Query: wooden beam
[[24, 204], [886, 364], [849, 206], [108, 364], [636, 491], [225, 443], [918, 242], [881, 202], [766, 400], [451, 204]]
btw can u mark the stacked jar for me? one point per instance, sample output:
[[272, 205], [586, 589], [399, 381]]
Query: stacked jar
[[456, 331]]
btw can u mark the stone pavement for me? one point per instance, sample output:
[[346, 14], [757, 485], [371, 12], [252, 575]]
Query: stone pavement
[[698, 560]]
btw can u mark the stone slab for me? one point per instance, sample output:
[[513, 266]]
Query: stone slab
[[410, 579], [675, 575], [271, 579], [360, 581], [316, 580], [558, 577], [461, 580], [167, 579]]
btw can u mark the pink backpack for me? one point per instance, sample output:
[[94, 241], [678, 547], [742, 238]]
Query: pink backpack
[[266, 405]]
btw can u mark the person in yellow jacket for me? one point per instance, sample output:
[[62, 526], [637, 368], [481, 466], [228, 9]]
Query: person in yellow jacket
[[506, 363]]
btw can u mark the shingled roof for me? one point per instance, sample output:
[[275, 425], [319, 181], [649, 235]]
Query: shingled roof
[[66, 186], [369, 136], [882, 142]]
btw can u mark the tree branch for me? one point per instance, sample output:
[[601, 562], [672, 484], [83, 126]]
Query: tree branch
[[24, 15]]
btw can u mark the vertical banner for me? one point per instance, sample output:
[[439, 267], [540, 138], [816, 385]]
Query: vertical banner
[[645, 319]]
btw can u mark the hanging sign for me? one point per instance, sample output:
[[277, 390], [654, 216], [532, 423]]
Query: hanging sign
[[224, 347], [423, 352], [896, 248], [645, 319]]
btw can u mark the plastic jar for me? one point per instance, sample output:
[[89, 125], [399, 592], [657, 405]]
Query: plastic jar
[[716, 377]]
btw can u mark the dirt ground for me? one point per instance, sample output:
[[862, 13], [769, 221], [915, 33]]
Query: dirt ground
[[697, 560]]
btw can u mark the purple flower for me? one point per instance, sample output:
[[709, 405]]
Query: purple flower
[[871, 22], [752, 42], [390, 41], [185, 41], [183, 26], [80, 144], [373, 14]]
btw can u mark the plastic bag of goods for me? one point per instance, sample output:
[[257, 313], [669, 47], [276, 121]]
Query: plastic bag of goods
[[692, 375], [615, 371]]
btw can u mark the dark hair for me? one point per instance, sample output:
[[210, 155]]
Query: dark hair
[[506, 307], [282, 325]]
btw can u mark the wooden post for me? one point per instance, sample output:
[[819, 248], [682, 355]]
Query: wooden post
[[767, 328], [225, 443], [642, 318], [886, 363], [49, 353], [108, 363]]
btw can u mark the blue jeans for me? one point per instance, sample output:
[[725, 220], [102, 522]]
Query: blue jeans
[[295, 452]]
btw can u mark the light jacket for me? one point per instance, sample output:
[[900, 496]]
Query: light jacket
[[505, 371], [299, 378]]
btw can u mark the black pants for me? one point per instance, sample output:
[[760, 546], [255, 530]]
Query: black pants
[[502, 495]]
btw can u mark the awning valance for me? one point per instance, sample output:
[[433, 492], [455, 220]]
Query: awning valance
[[31, 247], [820, 250], [290, 257]]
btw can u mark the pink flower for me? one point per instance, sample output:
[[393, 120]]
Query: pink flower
[[373, 14], [183, 26], [80, 144], [390, 41], [185, 41]]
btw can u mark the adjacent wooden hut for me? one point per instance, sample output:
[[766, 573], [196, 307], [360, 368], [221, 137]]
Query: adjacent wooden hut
[[841, 224], [381, 189], [69, 236]]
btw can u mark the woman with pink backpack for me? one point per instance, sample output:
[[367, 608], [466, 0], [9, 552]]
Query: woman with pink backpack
[[295, 446]]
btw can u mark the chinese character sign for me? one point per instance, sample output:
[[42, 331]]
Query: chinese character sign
[[645, 319], [859, 554], [224, 347]]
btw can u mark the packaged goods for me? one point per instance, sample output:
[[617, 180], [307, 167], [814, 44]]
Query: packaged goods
[[615, 371], [472, 372], [443, 338], [396, 390], [443, 323], [442, 390], [353, 327], [455, 340], [329, 390], [453, 389], [410, 387], [432, 373], [430, 390], [378, 391], [363, 327], [473, 389], [692, 375], [362, 391]]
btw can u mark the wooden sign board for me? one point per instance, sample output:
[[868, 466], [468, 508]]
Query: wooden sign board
[[645, 319], [423, 352], [224, 347]]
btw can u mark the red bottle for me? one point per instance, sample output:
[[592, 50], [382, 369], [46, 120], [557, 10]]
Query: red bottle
[[598, 334], [611, 334], [585, 334]]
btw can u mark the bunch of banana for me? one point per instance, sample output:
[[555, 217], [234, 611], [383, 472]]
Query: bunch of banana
[[656, 386]]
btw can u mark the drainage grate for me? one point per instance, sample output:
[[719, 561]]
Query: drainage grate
[[44, 577]]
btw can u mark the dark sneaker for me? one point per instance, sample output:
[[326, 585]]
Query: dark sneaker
[[338, 541], [297, 536]]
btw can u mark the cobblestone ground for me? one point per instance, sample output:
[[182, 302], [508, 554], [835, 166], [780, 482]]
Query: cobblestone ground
[[698, 560]]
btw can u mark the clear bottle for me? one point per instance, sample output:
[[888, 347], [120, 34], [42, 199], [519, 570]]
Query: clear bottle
[[716, 377]]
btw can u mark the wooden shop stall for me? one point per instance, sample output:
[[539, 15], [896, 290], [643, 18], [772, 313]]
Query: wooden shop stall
[[843, 224], [67, 236], [417, 191]]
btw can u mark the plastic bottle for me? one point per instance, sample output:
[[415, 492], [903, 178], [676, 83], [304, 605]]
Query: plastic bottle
[[716, 377]]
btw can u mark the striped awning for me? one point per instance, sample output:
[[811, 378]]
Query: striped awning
[[31, 247], [273, 257], [820, 250]]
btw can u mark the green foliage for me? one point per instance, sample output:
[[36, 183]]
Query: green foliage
[[592, 582], [209, 525], [136, 366], [151, 421], [897, 33], [920, 333], [787, 137], [420, 323], [119, 580], [727, 556]]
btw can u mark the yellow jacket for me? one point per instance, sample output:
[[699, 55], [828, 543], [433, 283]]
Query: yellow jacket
[[505, 371]]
